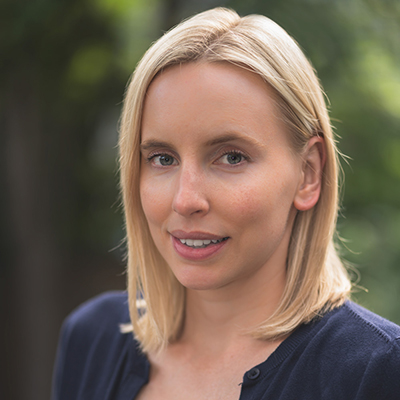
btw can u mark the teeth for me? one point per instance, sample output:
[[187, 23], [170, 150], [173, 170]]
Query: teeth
[[199, 243]]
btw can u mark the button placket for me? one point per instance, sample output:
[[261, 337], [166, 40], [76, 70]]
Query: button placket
[[251, 380], [253, 374]]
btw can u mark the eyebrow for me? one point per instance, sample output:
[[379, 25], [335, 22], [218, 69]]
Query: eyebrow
[[151, 144], [229, 137]]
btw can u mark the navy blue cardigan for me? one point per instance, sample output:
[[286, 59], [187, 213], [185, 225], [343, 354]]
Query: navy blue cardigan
[[350, 353]]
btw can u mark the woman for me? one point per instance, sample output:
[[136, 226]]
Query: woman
[[229, 181]]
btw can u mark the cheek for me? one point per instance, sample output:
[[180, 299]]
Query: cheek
[[154, 201], [265, 201], [247, 205]]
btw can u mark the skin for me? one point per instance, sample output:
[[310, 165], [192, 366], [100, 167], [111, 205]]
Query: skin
[[217, 163]]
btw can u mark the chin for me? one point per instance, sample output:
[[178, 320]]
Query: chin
[[199, 284], [202, 281]]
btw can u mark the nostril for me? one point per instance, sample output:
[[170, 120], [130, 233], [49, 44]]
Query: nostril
[[190, 195], [193, 205]]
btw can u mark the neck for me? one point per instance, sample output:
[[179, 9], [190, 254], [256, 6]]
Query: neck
[[215, 319]]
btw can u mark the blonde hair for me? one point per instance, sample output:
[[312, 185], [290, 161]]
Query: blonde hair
[[316, 278]]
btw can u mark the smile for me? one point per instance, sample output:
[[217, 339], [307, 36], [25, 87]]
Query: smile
[[198, 244]]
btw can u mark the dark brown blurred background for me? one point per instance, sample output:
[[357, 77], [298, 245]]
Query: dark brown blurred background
[[64, 66]]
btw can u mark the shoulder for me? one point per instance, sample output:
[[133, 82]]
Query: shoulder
[[354, 331], [96, 322], [349, 353], [108, 302], [98, 318], [371, 321], [360, 328], [359, 352], [91, 347], [100, 312]]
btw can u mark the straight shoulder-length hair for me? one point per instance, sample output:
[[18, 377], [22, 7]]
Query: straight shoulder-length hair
[[316, 279]]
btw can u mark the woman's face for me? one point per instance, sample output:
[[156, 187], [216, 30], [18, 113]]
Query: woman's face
[[218, 177]]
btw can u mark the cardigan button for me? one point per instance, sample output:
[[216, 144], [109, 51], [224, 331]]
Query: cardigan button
[[254, 373]]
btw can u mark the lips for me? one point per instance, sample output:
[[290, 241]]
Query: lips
[[197, 246], [179, 234]]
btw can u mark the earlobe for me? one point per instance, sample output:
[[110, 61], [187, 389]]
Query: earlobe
[[310, 186]]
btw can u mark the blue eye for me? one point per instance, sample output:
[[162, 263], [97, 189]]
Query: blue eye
[[164, 160], [232, 158]]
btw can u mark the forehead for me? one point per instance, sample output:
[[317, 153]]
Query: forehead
[[209, 98], [218, 78]]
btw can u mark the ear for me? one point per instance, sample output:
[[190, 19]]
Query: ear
[[310, 186]]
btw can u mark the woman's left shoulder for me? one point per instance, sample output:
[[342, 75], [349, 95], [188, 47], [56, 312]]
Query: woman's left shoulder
[[354, 321], [366, 347]]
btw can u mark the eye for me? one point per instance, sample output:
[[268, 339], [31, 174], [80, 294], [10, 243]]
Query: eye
[[232, 158], [163, 160]]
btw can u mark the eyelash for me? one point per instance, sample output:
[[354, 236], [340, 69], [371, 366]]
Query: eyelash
[[236, 153], [151, 157]]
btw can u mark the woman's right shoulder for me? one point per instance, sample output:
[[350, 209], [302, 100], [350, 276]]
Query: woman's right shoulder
[[96, 321], [91, 346], [105, 310]]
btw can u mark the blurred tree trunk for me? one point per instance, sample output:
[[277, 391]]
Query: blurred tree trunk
[[38, 260]]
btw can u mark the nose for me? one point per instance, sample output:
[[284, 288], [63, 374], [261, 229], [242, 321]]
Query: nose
[[190, 196]]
